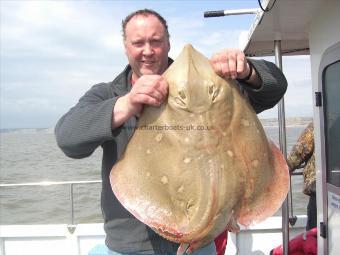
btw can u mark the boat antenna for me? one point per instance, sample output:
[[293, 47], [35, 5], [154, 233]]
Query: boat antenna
[[211, 14]]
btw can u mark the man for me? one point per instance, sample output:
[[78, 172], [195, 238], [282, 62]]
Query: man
[[102, 117]]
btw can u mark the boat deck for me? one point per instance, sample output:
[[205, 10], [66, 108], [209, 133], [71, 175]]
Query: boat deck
[[80, 239]]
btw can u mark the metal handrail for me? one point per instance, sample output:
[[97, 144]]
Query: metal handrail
[[72, 183], [49, 183], [46, 183], [71, 226]]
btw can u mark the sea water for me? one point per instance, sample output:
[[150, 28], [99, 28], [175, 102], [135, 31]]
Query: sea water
[[33, 156]]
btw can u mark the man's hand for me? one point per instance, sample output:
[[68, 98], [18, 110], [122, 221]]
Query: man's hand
[[148, 89], [230, 63]]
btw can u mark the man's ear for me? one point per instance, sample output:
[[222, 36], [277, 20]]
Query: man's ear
[[169, 46], [124, 43]]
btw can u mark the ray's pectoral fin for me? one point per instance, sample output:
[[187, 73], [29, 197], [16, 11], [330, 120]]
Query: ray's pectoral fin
[[271, 199]]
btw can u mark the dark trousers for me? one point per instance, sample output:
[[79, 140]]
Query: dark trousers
[[311, 212]]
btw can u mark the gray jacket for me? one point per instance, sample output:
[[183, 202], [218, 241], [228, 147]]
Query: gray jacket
[[87, 126]]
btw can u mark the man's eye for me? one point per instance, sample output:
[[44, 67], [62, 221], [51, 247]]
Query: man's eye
[[156, 42], [137, 44]]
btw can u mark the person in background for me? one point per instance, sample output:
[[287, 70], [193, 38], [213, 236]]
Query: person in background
[[302, 155], [103, 117]]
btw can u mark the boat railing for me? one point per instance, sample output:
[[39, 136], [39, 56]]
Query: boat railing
[[71, 184]]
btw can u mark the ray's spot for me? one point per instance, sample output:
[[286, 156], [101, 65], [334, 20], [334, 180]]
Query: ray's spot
[[180, 189], [148, 174], [230, 153], [148, 151], [200, 156], [159, 137], [187, 160], [164, 180], [255, 163], [245, 122]]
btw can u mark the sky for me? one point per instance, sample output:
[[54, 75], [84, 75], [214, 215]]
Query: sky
[[52, 52]]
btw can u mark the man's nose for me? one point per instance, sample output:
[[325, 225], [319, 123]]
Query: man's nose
[[148, 50]]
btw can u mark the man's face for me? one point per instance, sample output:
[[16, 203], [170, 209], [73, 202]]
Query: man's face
[[146, 45]]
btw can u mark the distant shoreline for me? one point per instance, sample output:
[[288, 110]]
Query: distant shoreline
[[27, 130], [290, 122]]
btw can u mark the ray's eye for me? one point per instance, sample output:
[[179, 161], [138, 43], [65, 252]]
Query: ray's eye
[[180, 99], [213, 92], [182, 94], [216, 92]]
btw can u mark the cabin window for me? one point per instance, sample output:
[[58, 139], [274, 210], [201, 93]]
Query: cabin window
[[331, 82]]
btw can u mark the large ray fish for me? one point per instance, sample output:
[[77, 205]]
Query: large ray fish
[[201, 162]]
